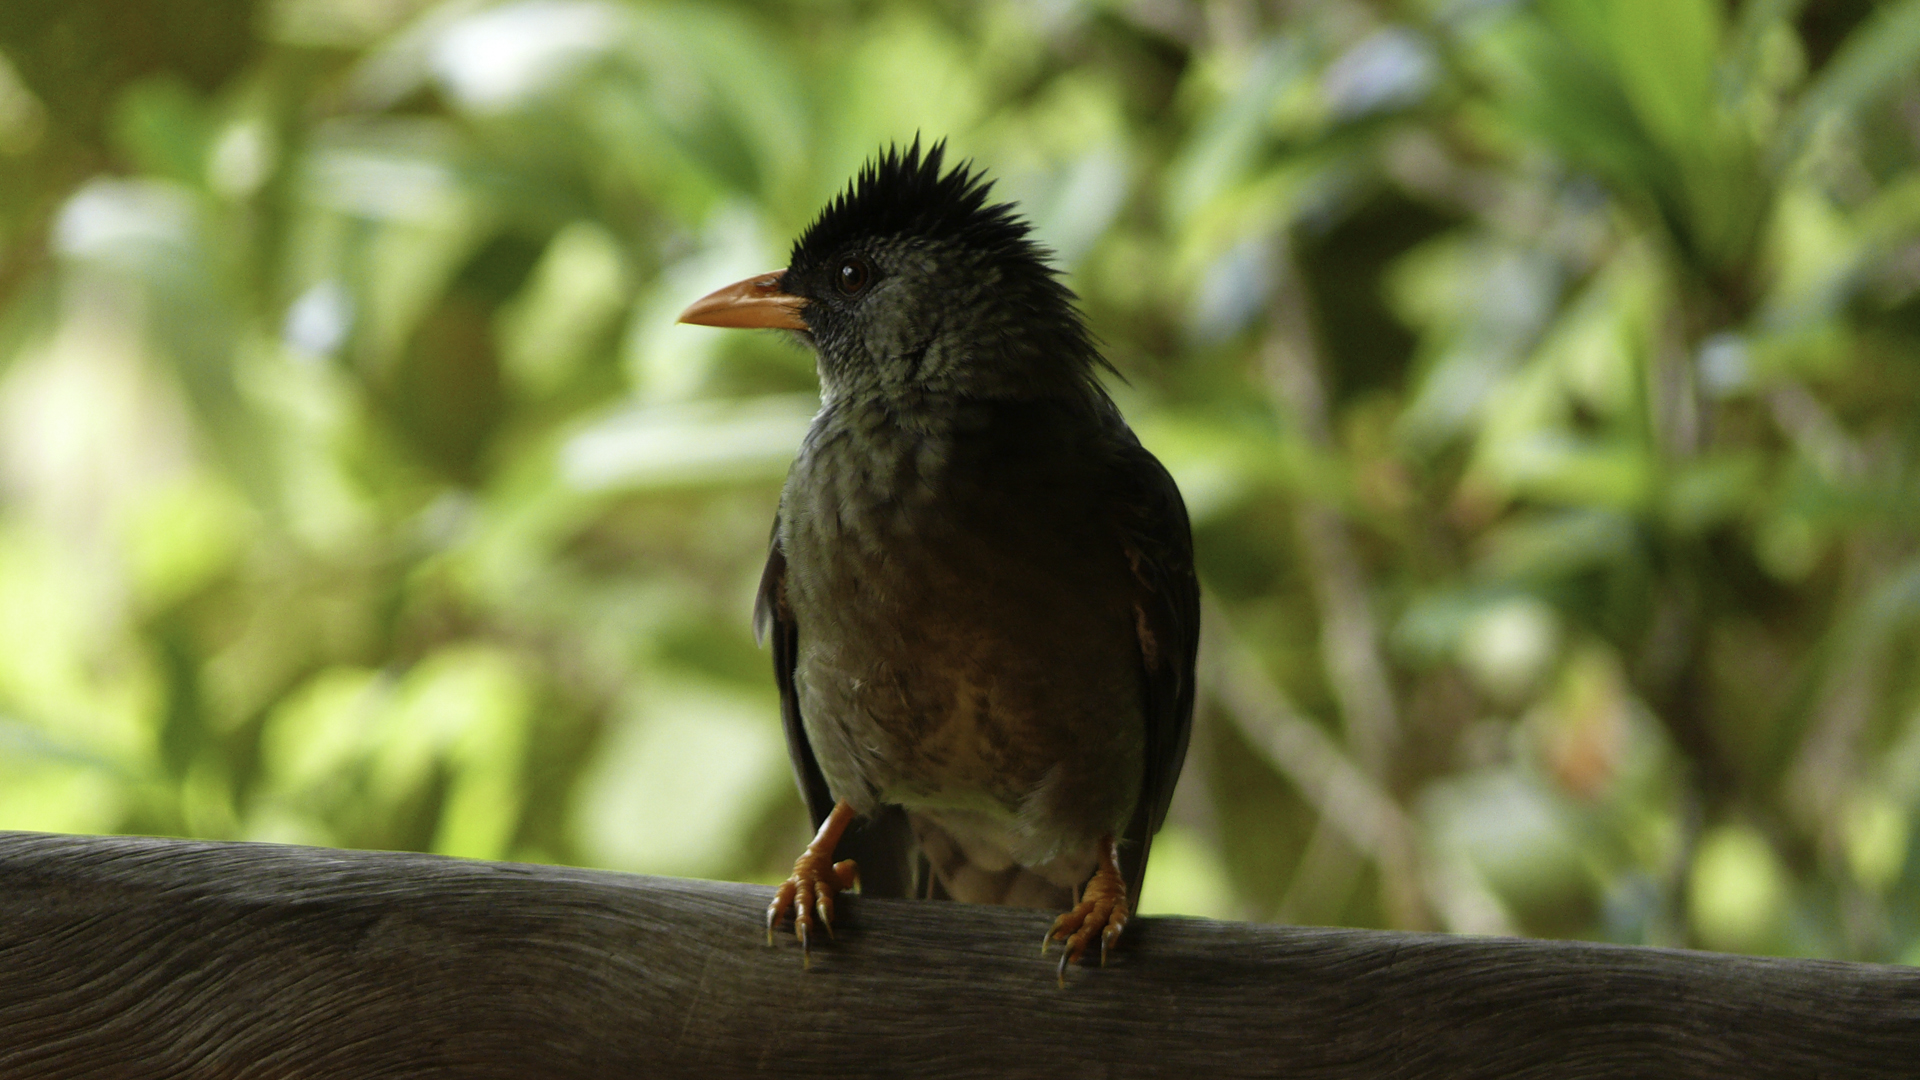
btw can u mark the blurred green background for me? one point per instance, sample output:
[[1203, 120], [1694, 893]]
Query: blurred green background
[[1544, 380]]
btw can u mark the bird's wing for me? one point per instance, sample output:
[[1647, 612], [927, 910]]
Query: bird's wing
[[772, 620], [882, 843], [1158, 542]]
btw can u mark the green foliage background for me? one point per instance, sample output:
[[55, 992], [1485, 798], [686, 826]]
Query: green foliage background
[[1542, 378]]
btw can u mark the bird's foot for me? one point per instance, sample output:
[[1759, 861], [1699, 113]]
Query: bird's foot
[[1102, 912], [816, 880]]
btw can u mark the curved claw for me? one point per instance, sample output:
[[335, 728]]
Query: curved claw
[[1111, 934], [1101, 911], [816, 878]]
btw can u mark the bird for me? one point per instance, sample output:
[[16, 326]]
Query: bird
[[980, 587]]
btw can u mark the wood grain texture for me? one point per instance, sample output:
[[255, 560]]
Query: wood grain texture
[[130, 957]]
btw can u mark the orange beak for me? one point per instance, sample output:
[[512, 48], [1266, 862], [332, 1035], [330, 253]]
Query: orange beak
[[757, 302]]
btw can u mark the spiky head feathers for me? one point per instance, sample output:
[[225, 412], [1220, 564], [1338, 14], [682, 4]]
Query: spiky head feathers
[[905, 194], [914, 280]]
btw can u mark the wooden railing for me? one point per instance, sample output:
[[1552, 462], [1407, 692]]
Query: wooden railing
[[131, 957]]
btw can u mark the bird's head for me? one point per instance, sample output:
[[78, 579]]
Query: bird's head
[[910, 284]]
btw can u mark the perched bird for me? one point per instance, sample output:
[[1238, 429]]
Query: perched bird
[[980, 588]]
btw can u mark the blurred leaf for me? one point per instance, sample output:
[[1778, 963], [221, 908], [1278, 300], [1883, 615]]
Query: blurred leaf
[[644, 809], [472, 704], [666, 445], [1185, 877], [1737, 893], [1883, 49], [1666, 52], [164, 127], [180, 538], [568, 306]]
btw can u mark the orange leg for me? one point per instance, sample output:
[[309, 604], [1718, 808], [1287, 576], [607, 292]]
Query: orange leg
[[816, 879], [1102, 911]]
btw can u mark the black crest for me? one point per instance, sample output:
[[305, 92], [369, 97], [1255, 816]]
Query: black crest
[[898, 194], [905, 194]]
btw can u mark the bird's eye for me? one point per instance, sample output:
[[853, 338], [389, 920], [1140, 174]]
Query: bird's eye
[[854, 274]]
